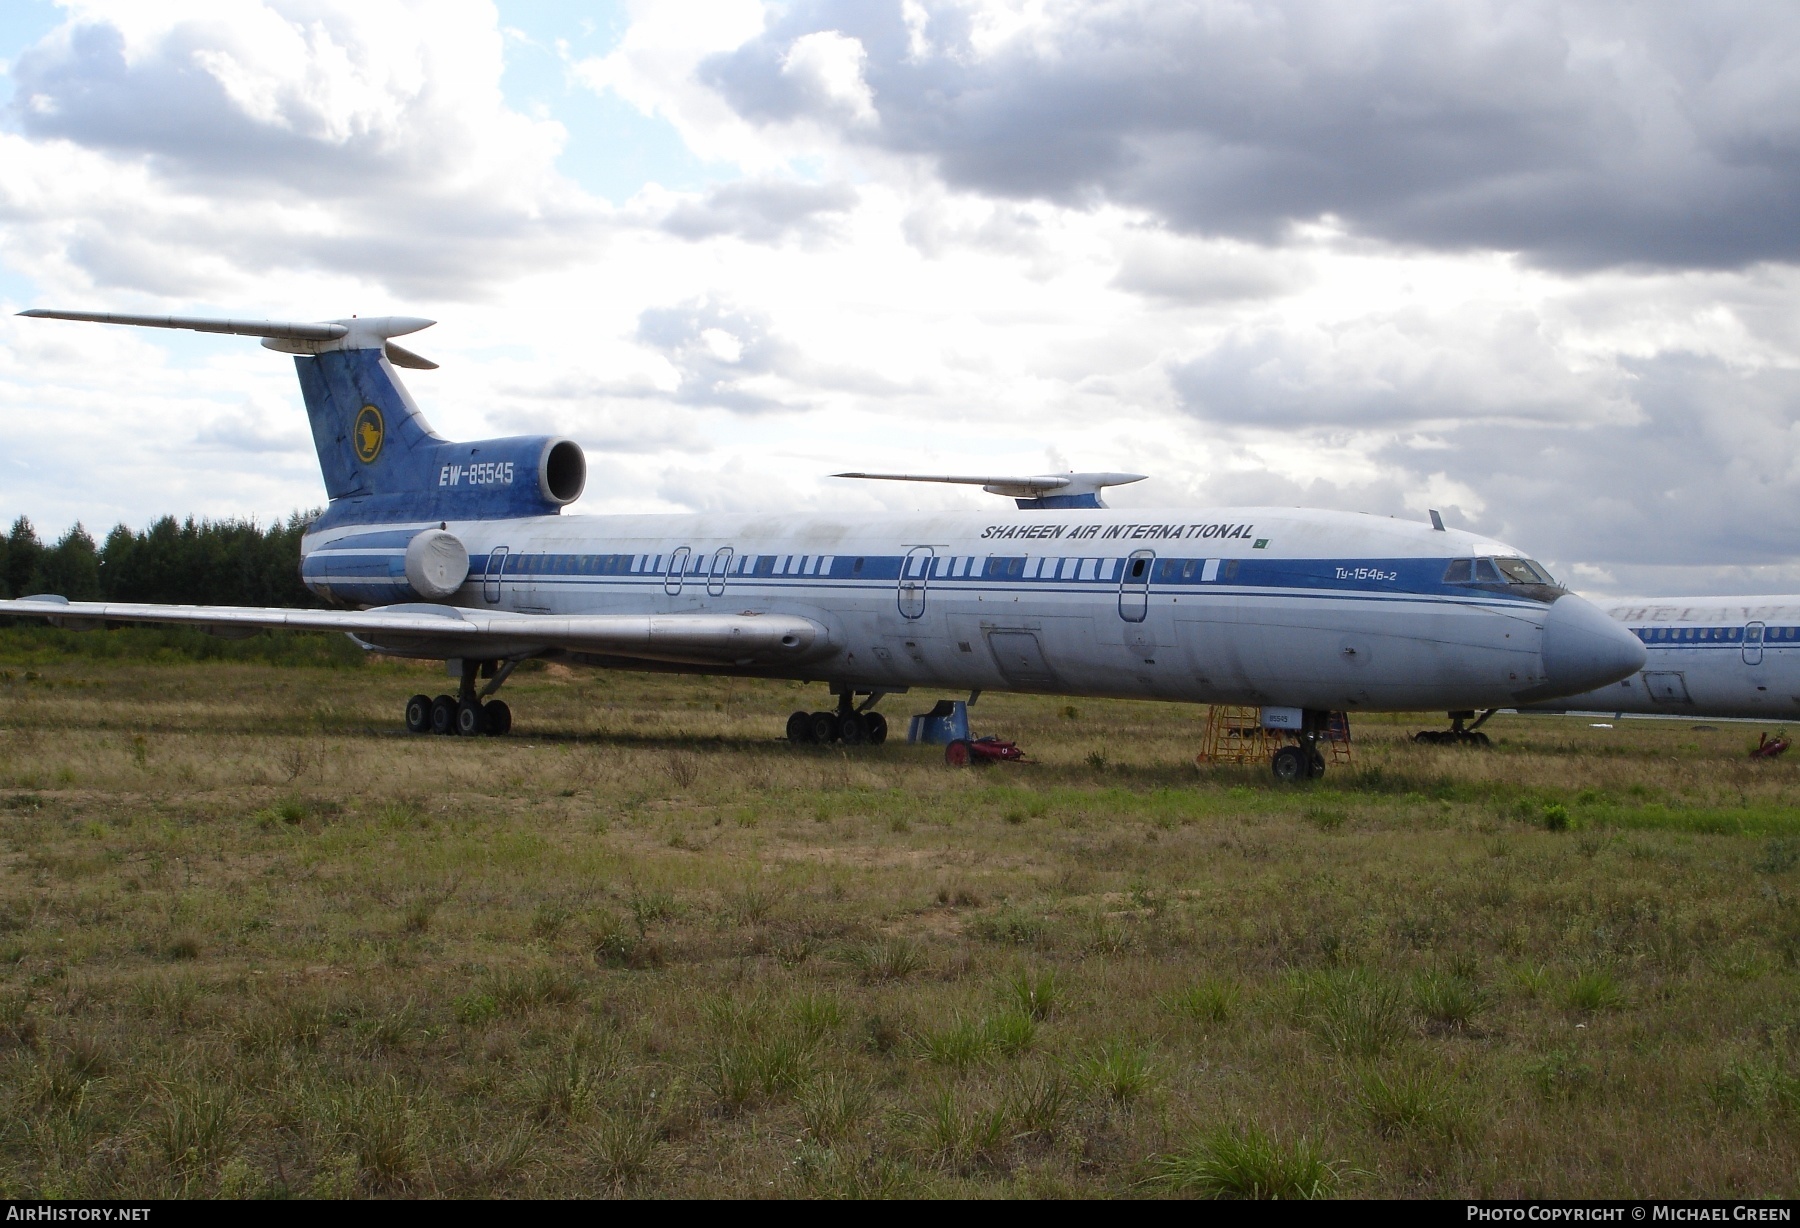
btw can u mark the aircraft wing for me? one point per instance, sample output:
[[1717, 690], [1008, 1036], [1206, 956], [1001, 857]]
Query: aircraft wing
[[451, 631]]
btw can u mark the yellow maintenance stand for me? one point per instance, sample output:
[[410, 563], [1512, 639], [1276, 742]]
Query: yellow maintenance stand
[[1235, 734]]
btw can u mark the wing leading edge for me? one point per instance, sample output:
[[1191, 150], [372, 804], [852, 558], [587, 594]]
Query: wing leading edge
[[447, 631]]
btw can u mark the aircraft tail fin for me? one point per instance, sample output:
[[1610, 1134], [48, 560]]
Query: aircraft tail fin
[[381, 460]]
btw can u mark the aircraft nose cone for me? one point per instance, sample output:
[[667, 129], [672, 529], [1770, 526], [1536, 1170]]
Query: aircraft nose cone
[[1584, 649]]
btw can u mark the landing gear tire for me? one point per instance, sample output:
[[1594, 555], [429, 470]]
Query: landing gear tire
[[958, 754], [853, 730], [799, 728], [1452, 737], [824, 727], [499, 719], [443, 715], [1291, 765], [471, 719], [877, 724], [418, 714], [1316, 768]]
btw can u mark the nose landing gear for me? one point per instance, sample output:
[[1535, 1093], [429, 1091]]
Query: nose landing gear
[[1296, 763], [470, 713], [1321, 737]]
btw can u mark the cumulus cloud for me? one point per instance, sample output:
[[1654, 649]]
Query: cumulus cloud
[[1411, 369], [762, 211], [1582, 135], [171, 150], [722, 355], [1667, 471]]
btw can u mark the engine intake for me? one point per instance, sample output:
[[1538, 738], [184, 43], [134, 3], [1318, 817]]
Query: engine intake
[[562, 471]]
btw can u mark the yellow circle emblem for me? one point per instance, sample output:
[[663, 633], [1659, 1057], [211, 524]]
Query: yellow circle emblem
[[368, 434]]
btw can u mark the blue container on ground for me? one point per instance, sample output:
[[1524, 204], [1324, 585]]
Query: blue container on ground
[[946, 723]]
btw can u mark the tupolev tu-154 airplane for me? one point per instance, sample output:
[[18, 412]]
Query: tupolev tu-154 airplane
[[1725, 657], [460, 552]]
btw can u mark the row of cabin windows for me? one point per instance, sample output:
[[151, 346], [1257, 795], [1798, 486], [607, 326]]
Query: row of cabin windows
[[996, 567], [1695, 634]]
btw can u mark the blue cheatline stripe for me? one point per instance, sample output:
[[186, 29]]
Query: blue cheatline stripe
[[333, 565], [368, 541], [652, 585], [1013, 573]]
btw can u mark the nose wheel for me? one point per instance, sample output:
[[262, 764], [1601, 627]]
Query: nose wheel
[[1292, 764], [468, 714]]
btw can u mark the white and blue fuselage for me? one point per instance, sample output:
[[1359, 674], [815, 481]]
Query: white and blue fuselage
[[1705, 656], [1276, 606]]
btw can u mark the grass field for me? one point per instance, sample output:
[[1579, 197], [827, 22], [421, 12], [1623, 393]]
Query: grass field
[[256, 942]]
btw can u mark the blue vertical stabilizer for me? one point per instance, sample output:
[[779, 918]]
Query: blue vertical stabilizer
[[370, 437], [383, 463]]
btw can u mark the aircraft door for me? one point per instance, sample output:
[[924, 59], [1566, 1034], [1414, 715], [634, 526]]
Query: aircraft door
[[677, 573], [721, 567], [1021, 659], [1134, 586], [1753, 642], [490, 583], [915, 571], [1667, 687]]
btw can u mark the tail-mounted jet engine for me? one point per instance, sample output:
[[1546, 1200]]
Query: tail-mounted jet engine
[[437, 563]]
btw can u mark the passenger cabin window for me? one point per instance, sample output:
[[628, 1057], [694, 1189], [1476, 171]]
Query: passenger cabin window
[[1137, 569], [1187, 570]]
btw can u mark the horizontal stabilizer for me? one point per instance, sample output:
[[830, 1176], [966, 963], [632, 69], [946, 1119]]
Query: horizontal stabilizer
[[451, 631], [284, 329], [1040, 490], [288, 336], [400, 356]]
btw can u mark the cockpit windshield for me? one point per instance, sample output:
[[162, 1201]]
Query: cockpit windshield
[[1523, 571], [1497, 571]]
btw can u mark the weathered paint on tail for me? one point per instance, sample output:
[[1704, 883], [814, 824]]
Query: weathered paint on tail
[[383, 464]]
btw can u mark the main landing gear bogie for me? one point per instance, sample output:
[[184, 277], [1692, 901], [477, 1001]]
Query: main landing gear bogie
[[1458, 734], [468, 718], [468, 713], [845, 728]]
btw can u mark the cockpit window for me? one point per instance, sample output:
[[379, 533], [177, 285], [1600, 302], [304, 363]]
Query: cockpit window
[[1523, 571], [1498, 571]]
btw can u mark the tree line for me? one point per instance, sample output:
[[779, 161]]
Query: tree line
[[199, 562]]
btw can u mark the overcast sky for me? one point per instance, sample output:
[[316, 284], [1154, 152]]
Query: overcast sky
[[1537, 265]]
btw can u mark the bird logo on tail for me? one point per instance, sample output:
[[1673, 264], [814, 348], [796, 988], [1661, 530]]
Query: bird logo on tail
[[368, 434]]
